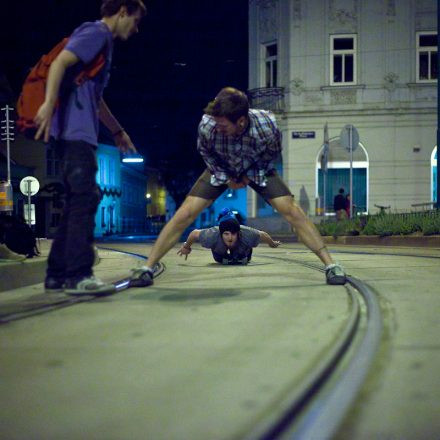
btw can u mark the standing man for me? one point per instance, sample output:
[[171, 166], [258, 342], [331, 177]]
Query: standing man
[[339, 204], [239, 146], [70, 114], [229, 242]]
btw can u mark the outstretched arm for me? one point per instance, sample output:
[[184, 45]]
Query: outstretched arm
[[122, 139], [57, 69], [266, 238], [186, 247]]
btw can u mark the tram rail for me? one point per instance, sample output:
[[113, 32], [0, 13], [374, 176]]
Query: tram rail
[[318, 406]]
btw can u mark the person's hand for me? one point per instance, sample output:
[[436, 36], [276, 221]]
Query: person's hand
[[43, 121], [274, 244], [184, 251], [124, 143]]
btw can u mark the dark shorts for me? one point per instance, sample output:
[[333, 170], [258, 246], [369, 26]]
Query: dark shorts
[[275, 187]]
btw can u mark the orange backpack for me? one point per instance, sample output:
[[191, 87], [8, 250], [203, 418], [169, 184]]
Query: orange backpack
[[34, 87]]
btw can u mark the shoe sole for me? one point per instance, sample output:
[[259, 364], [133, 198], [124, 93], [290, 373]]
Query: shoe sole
[[140, 283], [106, 291], [337, 280], [53, 290]]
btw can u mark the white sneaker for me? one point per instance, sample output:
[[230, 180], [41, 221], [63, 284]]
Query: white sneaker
[[335, 275], [89, 286], [141, 277]]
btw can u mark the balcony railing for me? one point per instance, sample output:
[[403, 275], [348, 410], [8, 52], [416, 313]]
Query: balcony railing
[[267, 98]]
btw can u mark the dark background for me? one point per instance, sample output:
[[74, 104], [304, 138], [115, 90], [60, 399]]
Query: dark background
[[162, 78]]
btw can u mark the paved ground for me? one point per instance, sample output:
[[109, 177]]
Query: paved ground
[[209, 350]]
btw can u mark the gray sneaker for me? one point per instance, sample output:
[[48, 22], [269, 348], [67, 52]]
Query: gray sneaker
[[141, 277], [335, 275], [88, 286]]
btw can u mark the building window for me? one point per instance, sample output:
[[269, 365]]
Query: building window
[[101, 166], [342, 59], [52, 161], [55, 220], [426, 56], [102, 216], [111, 172], [270, 65]]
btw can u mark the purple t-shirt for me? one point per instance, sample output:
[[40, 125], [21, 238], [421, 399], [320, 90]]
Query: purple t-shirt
[[77, 115]]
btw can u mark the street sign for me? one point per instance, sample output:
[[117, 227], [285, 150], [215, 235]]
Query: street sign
[[349, 133], [29, 214], [29, 184], [303, 135]]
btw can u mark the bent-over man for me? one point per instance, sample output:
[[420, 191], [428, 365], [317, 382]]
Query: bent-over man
[[239, 146]]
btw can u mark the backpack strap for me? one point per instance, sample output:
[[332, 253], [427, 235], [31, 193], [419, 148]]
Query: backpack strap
[[92, 69]]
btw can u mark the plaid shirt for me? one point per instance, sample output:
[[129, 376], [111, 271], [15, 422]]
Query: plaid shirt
[[251, 154]]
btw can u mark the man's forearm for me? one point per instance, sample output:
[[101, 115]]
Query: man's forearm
[[54, 78], [192, 237], [266, 238]]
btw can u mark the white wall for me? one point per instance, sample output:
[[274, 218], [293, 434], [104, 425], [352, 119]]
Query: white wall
[[392, 119]]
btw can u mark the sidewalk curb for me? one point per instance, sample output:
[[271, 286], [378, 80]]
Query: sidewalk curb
[[22, 274], [393, 240], [371, 240]]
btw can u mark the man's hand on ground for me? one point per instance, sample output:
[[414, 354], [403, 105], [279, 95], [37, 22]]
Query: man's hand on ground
[[184, 251], [274, 244]]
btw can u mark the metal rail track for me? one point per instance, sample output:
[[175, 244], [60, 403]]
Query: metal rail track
[[317, 408], [44, 302]]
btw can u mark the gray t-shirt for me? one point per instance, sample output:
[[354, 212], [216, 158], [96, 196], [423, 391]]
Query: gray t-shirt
[[211, 238]]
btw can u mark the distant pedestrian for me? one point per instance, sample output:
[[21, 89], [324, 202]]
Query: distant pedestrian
[[239, 146], [70, 115], [230, 243], [339, 205]]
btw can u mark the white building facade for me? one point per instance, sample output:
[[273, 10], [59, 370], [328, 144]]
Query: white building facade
[[371, 64]]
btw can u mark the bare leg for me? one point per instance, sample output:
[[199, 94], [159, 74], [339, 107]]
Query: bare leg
[[170, 234], [303, 226]]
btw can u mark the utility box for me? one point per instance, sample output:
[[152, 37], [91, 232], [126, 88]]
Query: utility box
[[6, 198]]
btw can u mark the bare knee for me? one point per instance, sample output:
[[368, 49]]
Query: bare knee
[[292, 213], [185, 215]]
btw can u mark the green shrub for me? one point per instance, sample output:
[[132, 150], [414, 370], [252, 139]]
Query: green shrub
[[402, 224], [430, 225], [339, 228], [384, 225]]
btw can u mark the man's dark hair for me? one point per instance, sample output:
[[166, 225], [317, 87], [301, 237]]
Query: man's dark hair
[[341, 191], [230, 103], [111, 7]]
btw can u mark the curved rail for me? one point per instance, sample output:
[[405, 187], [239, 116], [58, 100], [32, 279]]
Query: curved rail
[[326, 412], [309, 412], [43, 303]]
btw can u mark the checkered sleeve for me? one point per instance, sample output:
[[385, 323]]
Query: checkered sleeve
[[271, 136], [207, 151]]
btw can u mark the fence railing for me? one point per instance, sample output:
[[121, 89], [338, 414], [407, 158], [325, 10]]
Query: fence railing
[[267, 98]]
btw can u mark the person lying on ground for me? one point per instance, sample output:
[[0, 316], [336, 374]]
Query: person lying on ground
[[230, 243]]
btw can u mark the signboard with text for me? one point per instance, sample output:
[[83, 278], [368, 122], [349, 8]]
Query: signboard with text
[[303, 135]]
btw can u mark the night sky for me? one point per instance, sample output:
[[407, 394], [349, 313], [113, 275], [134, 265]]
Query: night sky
[[161, 78]]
